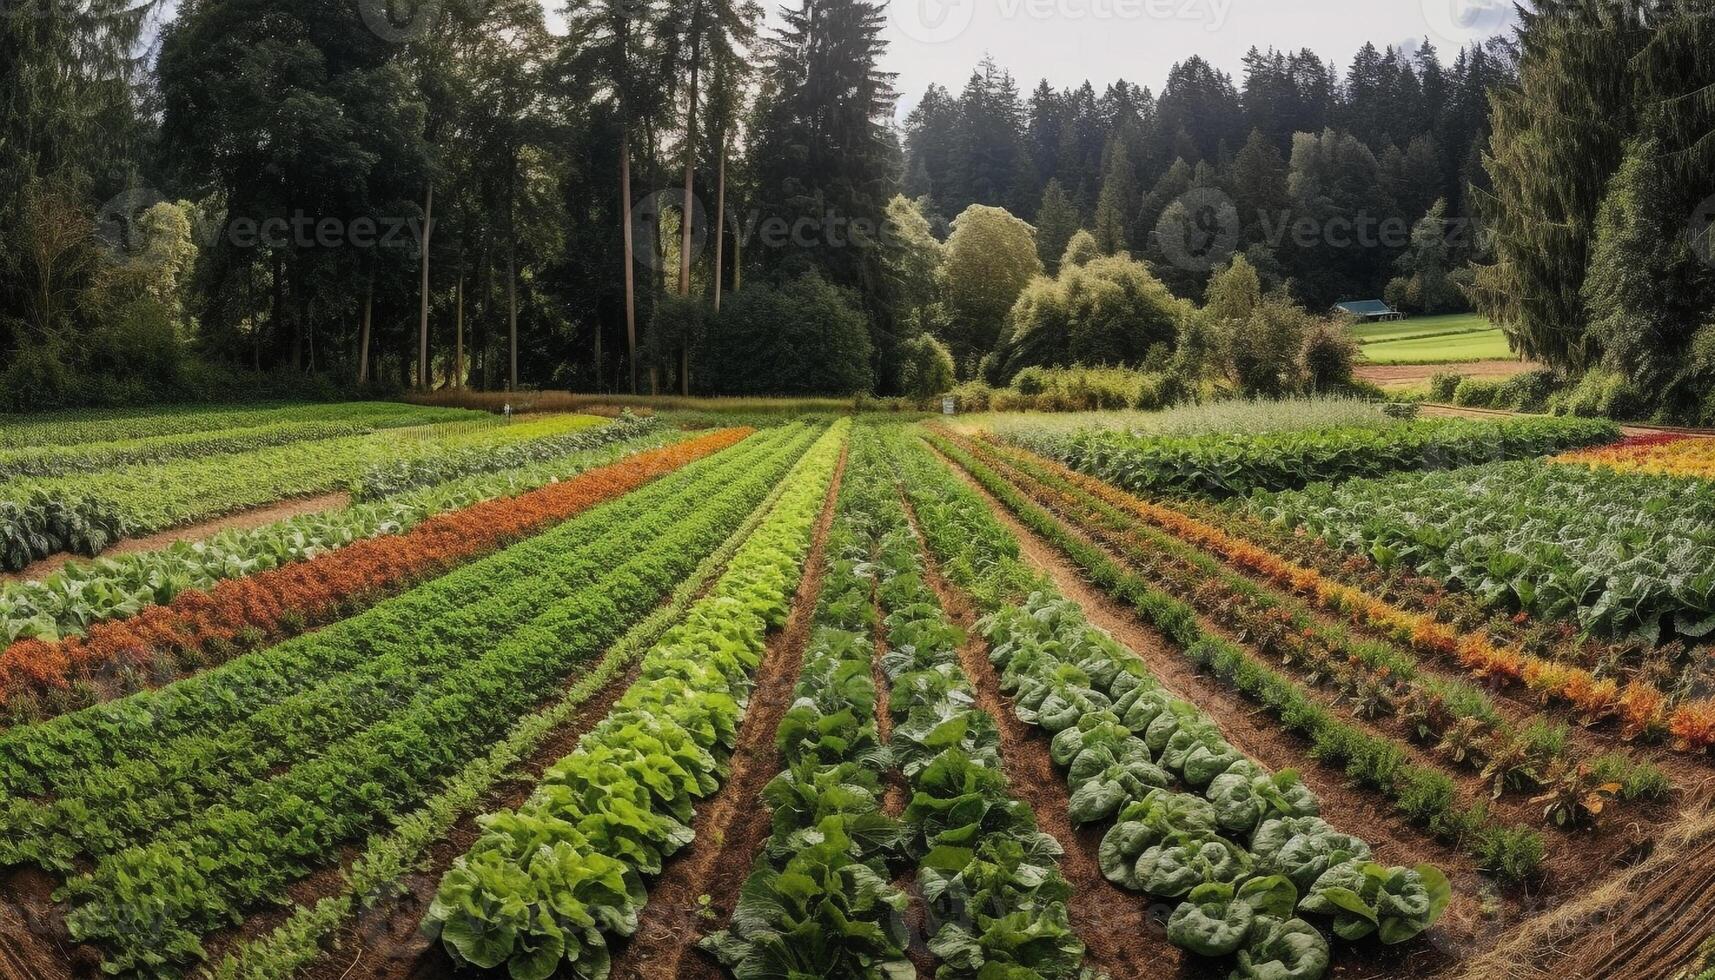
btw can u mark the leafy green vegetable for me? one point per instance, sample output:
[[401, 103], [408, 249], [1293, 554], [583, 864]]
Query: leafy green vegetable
[[1363, 897]]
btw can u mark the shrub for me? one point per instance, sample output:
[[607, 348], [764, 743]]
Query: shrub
[[925, 367], [801, 337], [1477, 393], [1327, 357], [1109, 310], [1443, 385]]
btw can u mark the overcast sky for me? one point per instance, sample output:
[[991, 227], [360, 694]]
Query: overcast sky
[[1069, 41]]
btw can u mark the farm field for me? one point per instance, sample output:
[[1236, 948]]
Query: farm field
[[1450, 339], [1255, 690]]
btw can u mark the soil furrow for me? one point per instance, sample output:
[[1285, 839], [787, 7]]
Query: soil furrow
[[730, 826], [1123, 933], [1461, 931]]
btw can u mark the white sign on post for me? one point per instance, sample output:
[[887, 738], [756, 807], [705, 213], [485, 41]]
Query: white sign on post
[[947, 405]]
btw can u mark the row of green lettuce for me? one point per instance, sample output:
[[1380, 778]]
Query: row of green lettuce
[[1626, 555], [994, 895], [388, 860], [100, 429], [83, 513], [545, 887], [73, 598], [398, 476], [177, 811], [1424, 795], [819, 899], [1242, 851], [1235, 465]]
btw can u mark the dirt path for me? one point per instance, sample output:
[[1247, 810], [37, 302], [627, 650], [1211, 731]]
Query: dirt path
[[1402, 374], [1123, 933], [730, 826], [241, 521], [1463, 930]]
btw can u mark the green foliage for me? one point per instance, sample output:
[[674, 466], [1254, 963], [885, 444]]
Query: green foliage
[[1108, 311], [397, 477], [1232, 465], [1538, 537], [990, 259], [925, 368], [802, 337], [1056, 223]]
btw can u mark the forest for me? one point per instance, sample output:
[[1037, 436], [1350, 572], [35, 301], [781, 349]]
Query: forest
[[243, 198]]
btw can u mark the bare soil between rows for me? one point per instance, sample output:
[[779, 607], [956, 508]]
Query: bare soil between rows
[[241, 521], [1124, 933], [1629, 828], [1466, 927], [732, 825]]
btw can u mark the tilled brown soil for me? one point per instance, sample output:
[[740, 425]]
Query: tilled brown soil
[[732, 824], [1467, 925]]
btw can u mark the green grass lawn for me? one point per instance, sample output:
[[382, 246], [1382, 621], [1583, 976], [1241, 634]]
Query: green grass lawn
[[1421, 326], [1486, 345]]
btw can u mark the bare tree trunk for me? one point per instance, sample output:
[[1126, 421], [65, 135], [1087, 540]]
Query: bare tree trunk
[[720, 218], [458, 333], [625, 223], [512, 311], [363, 337], [737, 263], [423, 375], [690, 159], [600, 381]]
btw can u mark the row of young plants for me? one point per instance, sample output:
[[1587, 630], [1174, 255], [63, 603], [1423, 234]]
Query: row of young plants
[[44, 461], [150, 497], [1427, 797], [103, 427], [1242, 851], [169, 882], [86, 782], [996, 903], [1230, 465], [200, 628], [1458, 627], [574, 434], [35, 525], [831, 840], [1620, 554], [69, 601], [1662, 454], [545, 886], [1375, 679], [387, 860]]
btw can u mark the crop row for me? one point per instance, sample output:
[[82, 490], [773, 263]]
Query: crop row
[[83, 513], [399, 476], [1426, 796], [150, 758], [1239, 850], [201, 627], [388, 859], [830, 836], [205, 866], [91, 457], [84, 428], [1620, 554], [1224, 465], [545, 885], [81, 594], [1374, 679], [1662, 454]]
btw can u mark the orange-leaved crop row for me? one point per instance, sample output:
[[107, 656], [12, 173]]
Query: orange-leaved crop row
[[282, 601]]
